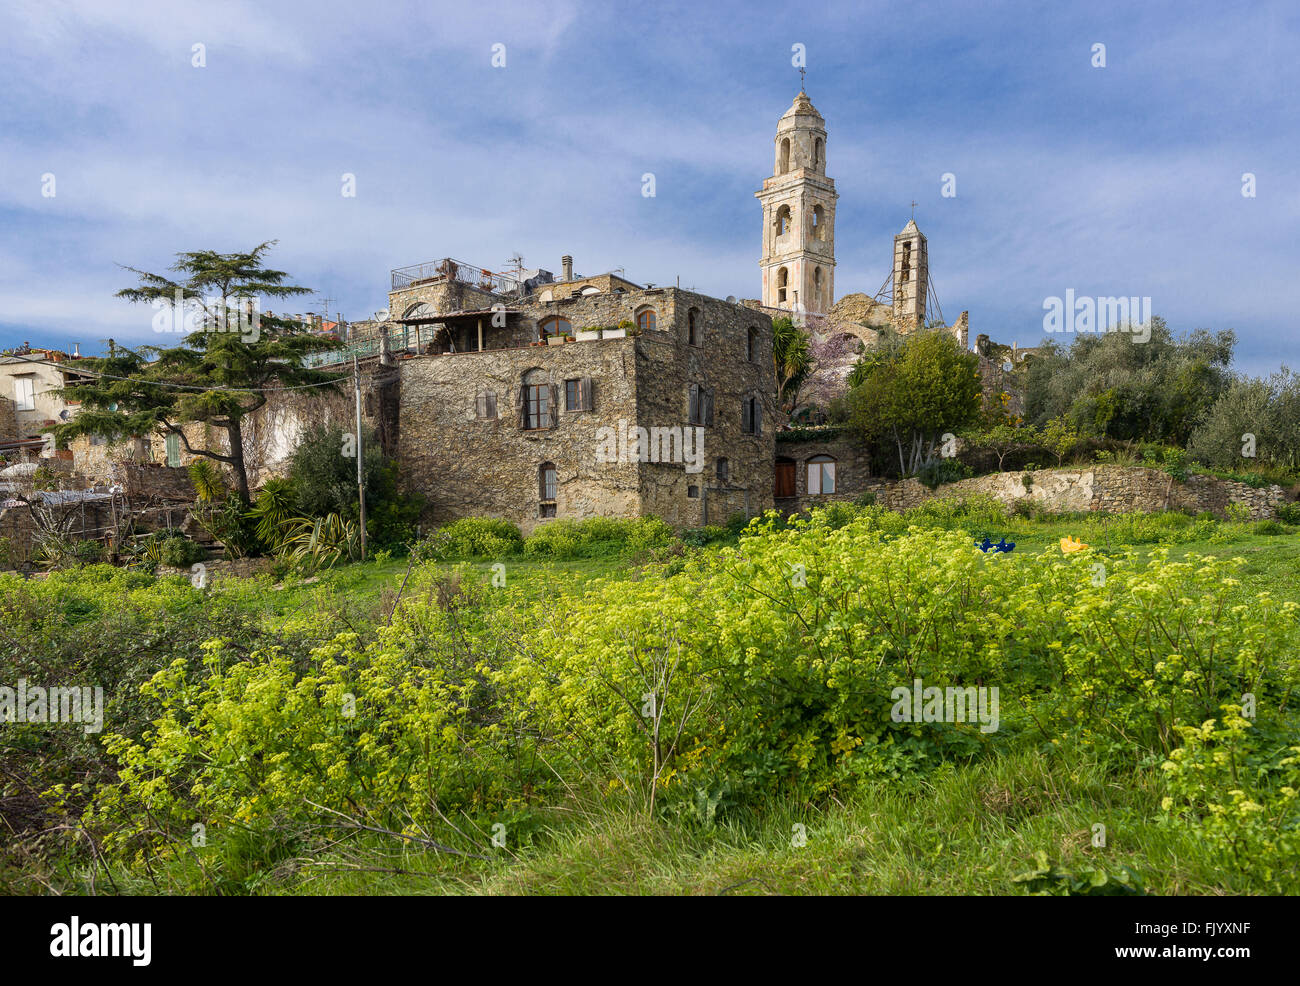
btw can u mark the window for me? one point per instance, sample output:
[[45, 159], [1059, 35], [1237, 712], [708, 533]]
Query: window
[[817, 286], [546, 487], [751, 337], [555, 326], [785, 155], [173, 449], [819, 152], [724, 471], [751, 416], [818, 220], [25, 393], [486, 405], [907, 262], [699, 405], [693, 327], [782, 220], [693, 492], [534, 406], [645, 320], [577, 394], [782, 282], [821, 475]]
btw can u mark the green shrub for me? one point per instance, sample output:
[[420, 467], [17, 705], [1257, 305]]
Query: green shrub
[[1270, 527], [178, 551], [737, 522], [1288, 513], [939, 471], [1238, 513], [597, 537], [475, 537]]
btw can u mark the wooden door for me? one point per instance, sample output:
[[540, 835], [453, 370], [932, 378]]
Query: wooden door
[[784, 479]]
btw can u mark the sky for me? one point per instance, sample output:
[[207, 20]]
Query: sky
[[1122, 179]]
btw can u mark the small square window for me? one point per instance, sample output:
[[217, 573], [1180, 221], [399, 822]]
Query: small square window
[[693, 492], [547, 510]]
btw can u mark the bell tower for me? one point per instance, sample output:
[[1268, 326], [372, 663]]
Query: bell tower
[[798, 202], [911, 275]]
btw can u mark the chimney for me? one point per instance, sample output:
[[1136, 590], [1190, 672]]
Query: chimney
[[566, 264], [76, 350]]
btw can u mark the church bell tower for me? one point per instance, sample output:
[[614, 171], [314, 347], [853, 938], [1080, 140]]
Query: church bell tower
[[799, 215]]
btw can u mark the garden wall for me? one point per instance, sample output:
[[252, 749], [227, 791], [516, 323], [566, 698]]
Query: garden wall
[[1113, 489]]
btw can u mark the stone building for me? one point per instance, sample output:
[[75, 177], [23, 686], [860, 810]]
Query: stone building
[[580, 397]]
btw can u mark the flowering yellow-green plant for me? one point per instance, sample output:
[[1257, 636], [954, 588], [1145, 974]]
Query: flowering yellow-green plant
[[1241, 794], [756, 669]]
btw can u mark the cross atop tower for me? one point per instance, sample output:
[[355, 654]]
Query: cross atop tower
[[802, 70], [913, 208]]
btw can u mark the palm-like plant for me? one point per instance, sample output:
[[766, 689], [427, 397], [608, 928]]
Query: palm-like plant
[[272, 511], [321, 542], [791, 359]]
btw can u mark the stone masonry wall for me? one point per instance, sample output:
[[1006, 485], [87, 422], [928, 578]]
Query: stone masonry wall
[[721, 362], [852, 469], [1106, 488], [468, 466]]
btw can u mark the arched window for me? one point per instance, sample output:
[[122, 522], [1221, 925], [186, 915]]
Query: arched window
[[782, 220], [693, 327], [724, 471], [821, 475], [818, 228], [546, 488], [645, 320], [785, 155], [555, 326], [817, 287], [751, 339], [782, 281], [819, 149]]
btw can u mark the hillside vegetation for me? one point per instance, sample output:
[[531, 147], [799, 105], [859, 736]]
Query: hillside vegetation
[[664, 718]]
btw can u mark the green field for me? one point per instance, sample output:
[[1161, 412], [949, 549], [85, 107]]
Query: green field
[[496, 744]]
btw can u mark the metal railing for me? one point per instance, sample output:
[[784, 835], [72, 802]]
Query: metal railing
[[447, 270], [368, 344]]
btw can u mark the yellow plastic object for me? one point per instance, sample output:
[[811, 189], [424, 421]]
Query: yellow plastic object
[[1069, 544]]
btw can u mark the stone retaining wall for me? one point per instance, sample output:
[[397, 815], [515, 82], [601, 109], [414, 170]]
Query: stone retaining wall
[[1108, 488]]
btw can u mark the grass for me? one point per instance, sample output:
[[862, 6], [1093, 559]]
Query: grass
[[960, 830]]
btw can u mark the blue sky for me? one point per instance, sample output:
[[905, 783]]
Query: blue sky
[[1123, 180]]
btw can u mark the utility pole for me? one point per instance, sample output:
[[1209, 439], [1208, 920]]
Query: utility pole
[[361, 484]]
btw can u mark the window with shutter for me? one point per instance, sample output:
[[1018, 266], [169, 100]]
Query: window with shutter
[[747, 416], [693, 410], [573, 395], [546, 489], [588, 394], [708, 408]]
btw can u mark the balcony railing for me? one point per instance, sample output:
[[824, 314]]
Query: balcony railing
[[368, 344], [447, 269]]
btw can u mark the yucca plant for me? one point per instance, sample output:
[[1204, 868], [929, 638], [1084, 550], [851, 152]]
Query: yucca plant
[[273, 512], [320, 542]]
